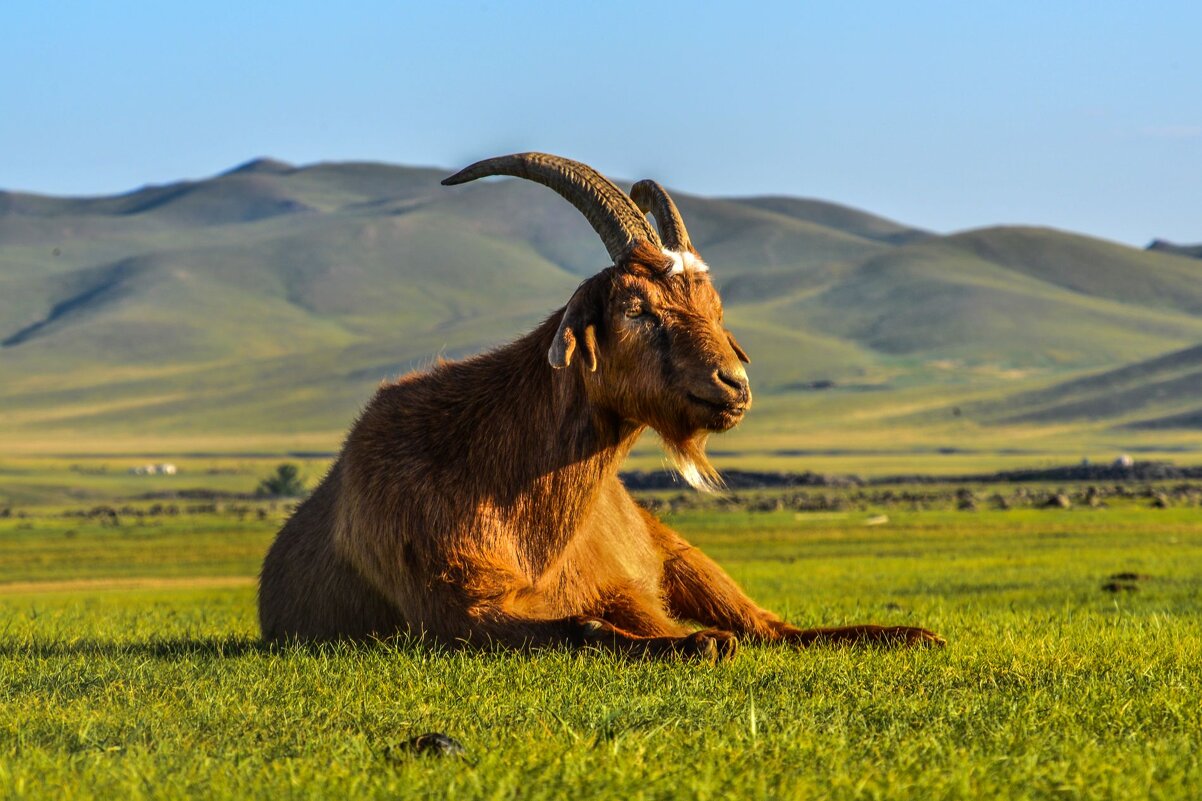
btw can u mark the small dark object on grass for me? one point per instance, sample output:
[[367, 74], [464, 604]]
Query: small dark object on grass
[[1118, 586], [430, 744], [1128, 576]]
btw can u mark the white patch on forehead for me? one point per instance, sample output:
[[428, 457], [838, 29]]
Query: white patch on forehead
[[683, 261]]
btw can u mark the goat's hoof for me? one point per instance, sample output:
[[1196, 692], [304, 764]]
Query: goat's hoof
[[916, 638], [592, 626], [930, 639], [590, 630], [709, 645], [728, 644]]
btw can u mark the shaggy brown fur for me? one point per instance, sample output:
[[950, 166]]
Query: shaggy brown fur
[[479, 503]]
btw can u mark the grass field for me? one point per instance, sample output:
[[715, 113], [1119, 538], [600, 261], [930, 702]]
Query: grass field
[[230, 324], [130, 668]]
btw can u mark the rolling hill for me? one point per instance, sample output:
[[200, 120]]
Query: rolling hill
[[271, 299], [1161, 246], [1163, 392]]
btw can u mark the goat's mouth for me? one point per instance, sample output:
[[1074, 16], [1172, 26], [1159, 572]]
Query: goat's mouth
[[722, 415]]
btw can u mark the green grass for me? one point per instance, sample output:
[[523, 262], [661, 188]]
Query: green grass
[[1049, 687]]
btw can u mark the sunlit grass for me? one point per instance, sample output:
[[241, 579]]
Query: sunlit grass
[[1049, 687]]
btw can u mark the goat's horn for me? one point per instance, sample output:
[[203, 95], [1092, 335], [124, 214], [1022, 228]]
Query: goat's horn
[[613, 215], [651, 197]]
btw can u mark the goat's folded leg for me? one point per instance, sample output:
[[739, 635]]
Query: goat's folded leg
[[582, 631], [641, 614], [860, 635], [707, 645], [698, 589]]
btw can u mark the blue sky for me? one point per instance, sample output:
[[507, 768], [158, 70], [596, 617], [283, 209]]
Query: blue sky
[[1083, 116]]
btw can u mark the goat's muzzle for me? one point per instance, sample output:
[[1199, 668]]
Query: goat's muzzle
[[724, 399]]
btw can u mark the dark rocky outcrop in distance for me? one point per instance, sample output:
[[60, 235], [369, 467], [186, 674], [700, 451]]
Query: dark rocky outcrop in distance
[[749, 479]]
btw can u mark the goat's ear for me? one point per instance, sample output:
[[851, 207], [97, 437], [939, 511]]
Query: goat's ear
[[742, 354], [575, 329]]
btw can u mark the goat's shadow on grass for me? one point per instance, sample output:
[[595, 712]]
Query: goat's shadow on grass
[[217, 647]]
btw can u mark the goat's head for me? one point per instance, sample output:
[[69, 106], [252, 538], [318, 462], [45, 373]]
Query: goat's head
[[646, 333]]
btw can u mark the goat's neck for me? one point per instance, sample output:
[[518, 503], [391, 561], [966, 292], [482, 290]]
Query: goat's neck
[[566, 450]]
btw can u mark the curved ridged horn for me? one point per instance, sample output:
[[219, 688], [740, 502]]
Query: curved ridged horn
[[613, 215], [651, 197]]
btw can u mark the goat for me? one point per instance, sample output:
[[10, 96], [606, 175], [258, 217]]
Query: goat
[[478, 502]]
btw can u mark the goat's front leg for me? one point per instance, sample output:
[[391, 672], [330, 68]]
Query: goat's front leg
[[582, 631], [698, 589], [642, 613], [497, 607]]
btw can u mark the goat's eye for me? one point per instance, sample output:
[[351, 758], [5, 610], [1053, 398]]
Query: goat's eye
[[635, 310]]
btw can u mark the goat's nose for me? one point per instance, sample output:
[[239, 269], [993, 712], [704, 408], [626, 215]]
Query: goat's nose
[[735, 379]]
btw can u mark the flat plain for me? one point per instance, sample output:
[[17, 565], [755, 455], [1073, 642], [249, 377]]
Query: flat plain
[[130, 668]]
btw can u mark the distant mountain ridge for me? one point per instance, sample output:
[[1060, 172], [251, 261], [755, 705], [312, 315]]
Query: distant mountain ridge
[[273, 297], [1161, 246]]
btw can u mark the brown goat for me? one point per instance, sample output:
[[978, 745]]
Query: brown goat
[[478, 502]]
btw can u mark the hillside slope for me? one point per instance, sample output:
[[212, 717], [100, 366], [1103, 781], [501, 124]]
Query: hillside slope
[[272, 298], [1161, 246], [1158, 393]]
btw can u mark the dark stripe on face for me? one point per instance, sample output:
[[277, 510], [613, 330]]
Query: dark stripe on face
[[663, 343]]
